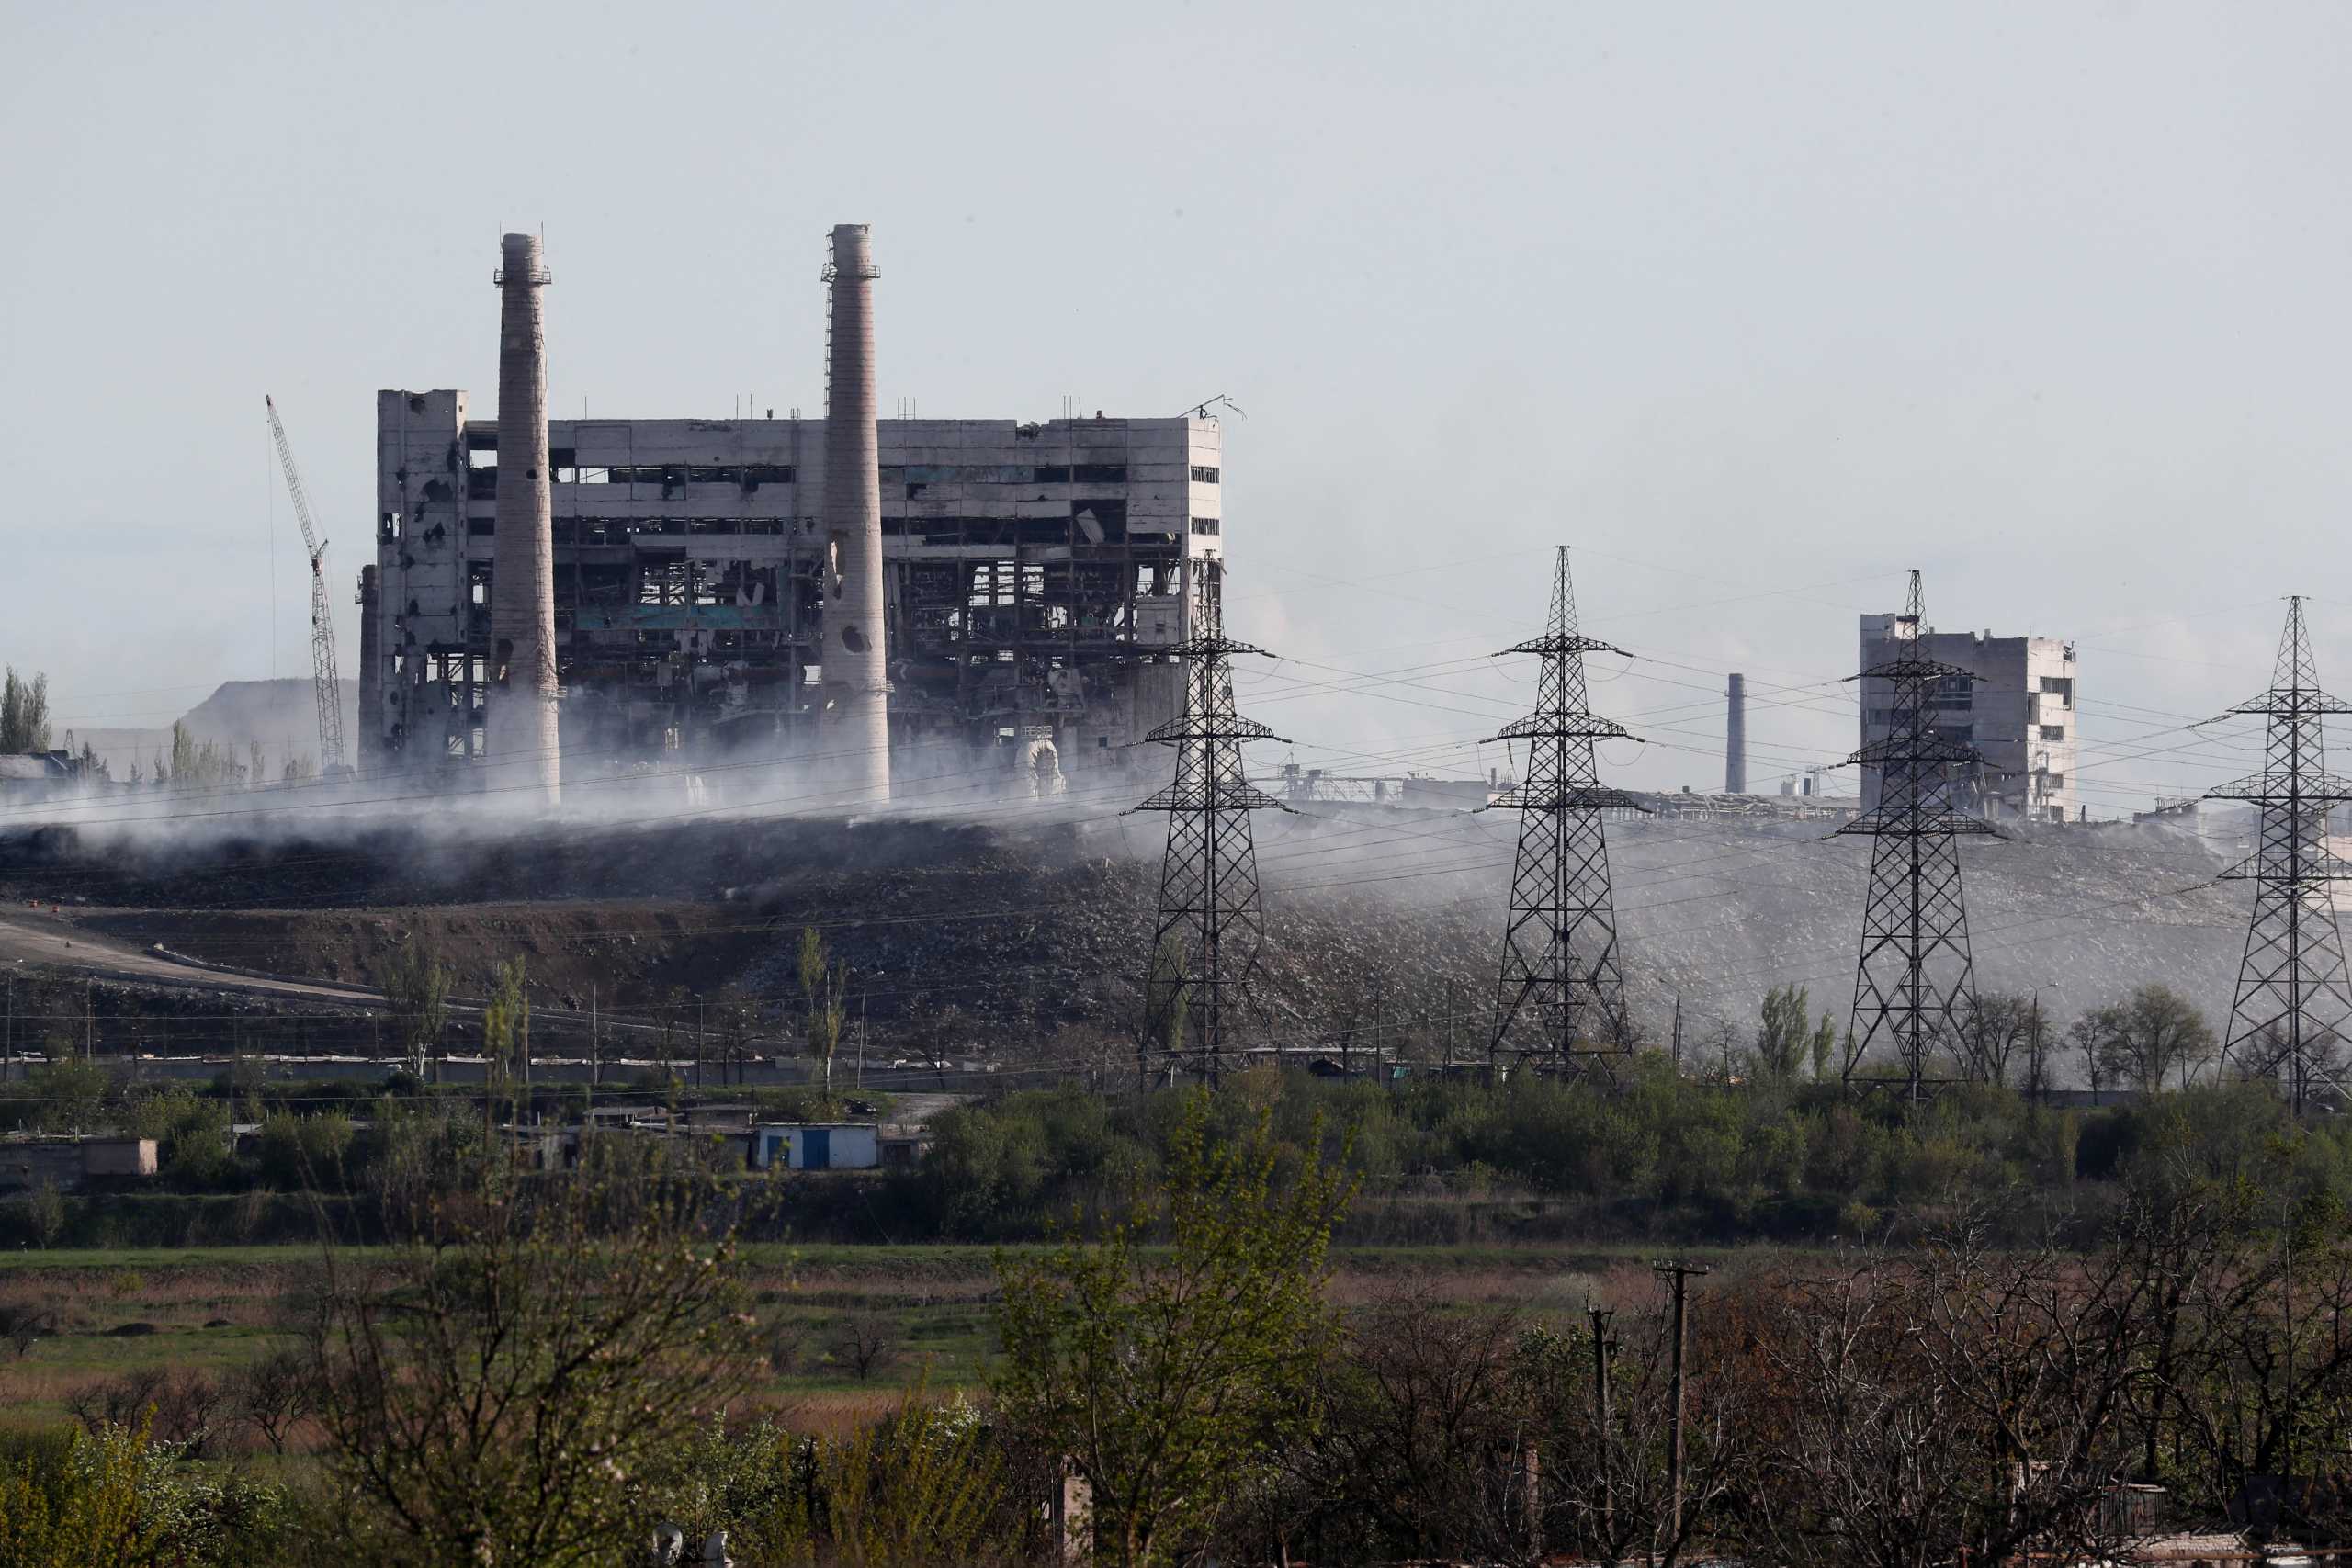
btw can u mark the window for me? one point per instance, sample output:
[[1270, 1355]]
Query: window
[[2053, 732], [1204, 476], [1052, 476], [2060, 686], [1100, 473], [1205, 525], [2057, 782]]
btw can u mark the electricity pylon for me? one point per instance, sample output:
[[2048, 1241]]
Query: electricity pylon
[[1205, 943], [1914, 982], [2293, 1000], [1562, 994]]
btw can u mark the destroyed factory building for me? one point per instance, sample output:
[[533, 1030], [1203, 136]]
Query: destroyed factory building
[[1029, 570], [996, 599]]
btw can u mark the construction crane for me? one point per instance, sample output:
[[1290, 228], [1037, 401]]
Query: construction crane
[[328, 688]]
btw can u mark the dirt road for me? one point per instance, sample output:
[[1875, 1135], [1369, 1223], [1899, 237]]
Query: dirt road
[[55, 941]]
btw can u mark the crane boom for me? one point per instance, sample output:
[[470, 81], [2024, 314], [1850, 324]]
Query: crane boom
[[326, 687]]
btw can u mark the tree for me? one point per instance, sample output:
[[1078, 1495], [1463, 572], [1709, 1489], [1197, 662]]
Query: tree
[[506, 1024], [416, 992], [1168, 1001], [495, 1387], [24, 713], [275, 1395], [826, 990], [1429, 1411], [866, 1343], [1992, 1030], [2091, 1038], [1782, 1034], [1825, 1046], [2155, 1034], [1168, 1378], [1957, 1403], [47, 1209]]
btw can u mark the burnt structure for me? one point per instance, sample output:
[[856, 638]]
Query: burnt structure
[[1034, 585]]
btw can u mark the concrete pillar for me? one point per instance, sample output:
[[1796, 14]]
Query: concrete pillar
[[1735, 738], [854, 737], [519, 722], [370, 739]]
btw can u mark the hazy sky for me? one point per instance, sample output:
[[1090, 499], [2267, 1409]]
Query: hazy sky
[[1757, 306]]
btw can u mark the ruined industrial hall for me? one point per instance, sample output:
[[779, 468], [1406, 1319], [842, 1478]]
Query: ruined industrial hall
[[1028, 572]]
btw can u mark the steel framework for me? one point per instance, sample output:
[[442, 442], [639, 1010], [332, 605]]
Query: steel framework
[[326, 685], [1914, 982], [2293, 999], [1211, 924], [1561, 993]]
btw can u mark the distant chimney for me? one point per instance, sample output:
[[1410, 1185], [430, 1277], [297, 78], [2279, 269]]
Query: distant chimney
[[519, 720], [1735, 738], [856, 727]]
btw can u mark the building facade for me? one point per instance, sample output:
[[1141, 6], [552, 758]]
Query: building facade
[[2018, 713], [1032, 571]]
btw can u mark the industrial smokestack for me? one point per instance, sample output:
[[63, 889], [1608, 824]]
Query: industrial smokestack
[[1735, 738], [520, 723], [856, 727], [371, 678]]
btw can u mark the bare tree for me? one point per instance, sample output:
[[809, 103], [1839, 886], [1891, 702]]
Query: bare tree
[[492, 1387], [1953, 1404], [866, 1343], [276, 1393]]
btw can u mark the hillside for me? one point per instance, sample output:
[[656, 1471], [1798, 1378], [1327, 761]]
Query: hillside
[[280, 715], [1003, 936]]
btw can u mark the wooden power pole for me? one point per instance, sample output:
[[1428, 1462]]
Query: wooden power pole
[[1680, 1273]]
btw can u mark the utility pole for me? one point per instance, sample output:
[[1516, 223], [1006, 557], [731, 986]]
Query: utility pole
[[1562, 991], [698, 1044], [1680, 1271], [1677, 1033], [1604, 1347], [595, 1047]]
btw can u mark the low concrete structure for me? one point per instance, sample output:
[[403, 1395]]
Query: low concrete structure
[[831, 1145], [69, 1162]]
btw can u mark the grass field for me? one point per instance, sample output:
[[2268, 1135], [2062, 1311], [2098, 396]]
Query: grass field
[[213, 1309]]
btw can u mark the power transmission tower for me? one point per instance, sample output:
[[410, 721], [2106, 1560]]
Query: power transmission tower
[[1562, 994], [2292, 997], [1914, 984], [1205, 943]]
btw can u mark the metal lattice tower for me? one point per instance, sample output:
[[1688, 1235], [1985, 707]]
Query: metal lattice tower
[[2293, 999], [1205, 943], [1914, 982], [1563, 990]]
